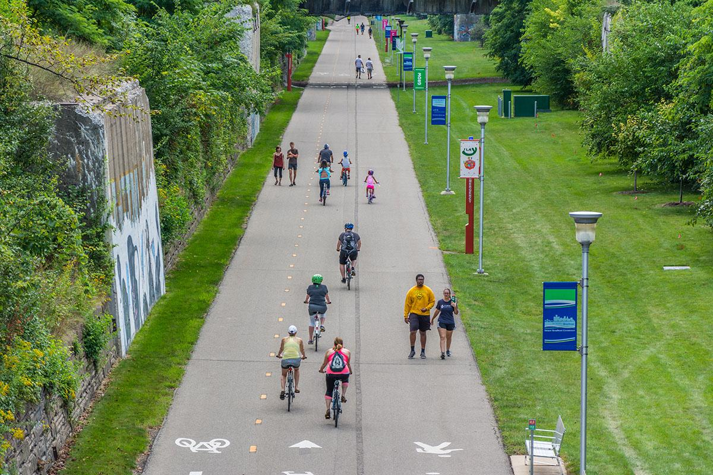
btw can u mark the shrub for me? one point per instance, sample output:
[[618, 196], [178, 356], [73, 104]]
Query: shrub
[[95, 336]]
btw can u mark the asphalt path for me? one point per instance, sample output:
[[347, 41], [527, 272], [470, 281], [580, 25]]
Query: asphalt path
[[227, 418]]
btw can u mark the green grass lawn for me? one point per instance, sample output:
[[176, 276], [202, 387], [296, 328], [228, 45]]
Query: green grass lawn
[[142, 386], [469, 57], [650, 333], [314, 49]]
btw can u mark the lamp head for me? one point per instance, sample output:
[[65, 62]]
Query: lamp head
[[585, 223], [404, 27], [450, 71], [427, 51], [483, 112]]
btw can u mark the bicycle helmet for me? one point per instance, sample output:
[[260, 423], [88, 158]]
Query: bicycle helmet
[[371, 172], [346, 153], [317, 279], [349, 226], [326, 146], [292, 330]]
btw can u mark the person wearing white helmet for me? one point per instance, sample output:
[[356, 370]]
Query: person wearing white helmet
[[290, 349]]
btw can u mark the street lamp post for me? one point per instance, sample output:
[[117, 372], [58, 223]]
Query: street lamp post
[[585, 223], [426, 55], [404, 27], [450, 73], [414, 38], [483, 112]]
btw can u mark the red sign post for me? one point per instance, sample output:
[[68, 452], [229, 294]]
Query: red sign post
[[470, 210], [470, 170], [289, 71]]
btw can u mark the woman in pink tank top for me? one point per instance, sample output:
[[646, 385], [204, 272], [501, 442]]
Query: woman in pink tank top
[[337, 361]]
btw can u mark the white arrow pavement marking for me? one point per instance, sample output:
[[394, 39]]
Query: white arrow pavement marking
[[435, 449], [196, 473], [305, 444]]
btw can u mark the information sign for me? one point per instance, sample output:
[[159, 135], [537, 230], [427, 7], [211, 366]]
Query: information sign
[[385, 24], [531, 424], [408, 62], [419, 79], [559, 322], [438, 110], [387, 32], [469, 158]]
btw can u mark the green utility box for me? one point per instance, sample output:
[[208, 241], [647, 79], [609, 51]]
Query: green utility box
[[429, 34], [507, 102], [524, 106]]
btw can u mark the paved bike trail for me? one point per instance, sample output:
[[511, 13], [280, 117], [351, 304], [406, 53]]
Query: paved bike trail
[[231, 385]]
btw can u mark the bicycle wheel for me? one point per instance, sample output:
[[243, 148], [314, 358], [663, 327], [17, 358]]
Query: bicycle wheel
[[336, 402], [290, 390], [316, 341], [324, 197]]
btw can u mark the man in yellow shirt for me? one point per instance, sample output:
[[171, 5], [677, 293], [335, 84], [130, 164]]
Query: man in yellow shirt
[[417, 313]]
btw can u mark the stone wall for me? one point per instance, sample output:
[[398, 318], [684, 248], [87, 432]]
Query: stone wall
[[50, 423]]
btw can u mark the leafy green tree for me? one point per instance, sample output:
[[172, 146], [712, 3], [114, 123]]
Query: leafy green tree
[[441, 24], [503, 39], [283, 28]]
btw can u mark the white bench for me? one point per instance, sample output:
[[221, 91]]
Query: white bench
[[547, 443]]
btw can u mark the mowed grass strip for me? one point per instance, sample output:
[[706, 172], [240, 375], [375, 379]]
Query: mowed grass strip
[[142, 385], [468, 57], [314, 49], [650, 333]]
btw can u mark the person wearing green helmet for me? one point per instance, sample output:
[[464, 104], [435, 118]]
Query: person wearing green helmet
[[318, 299]]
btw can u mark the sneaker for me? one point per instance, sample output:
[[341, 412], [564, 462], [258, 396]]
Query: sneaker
[[448, 353], [321, 329], [411, 355], [353, 272], [320, 198], [310, 342], [443, 356], [344, 281], [423, 354], [344, 399], [327, 415], [282, 395], [327, 192]]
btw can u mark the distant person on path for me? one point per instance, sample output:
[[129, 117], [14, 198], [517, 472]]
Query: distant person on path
[[445, 309], [357, 29], [292, 155], [337, 360], [278, 163], [290, 350], [359, 63], [369, 68], [324, 175], [349, 20], [370, 32], [326, 155], [370, 180], [318, 299], [348, 245], [417, 313], [346, 165], [362, 29]]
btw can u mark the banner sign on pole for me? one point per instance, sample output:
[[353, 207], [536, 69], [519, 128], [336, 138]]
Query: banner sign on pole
[[408, 61], [387, 32], [559, 322], [378, 17], [385, 24], [469, 158], [438, 110], [419, 79], [394, 33]]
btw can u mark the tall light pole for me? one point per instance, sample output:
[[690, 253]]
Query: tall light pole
[[426, 55], [404, 27], [414, 38], [483, 112], [585, 223], [450, 73]]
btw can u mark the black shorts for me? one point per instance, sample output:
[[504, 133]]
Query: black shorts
[[343, 256], [331, 378], [419, 322], [294, 362], [447, 326]]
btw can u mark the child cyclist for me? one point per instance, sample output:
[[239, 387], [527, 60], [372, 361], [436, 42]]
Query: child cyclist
[[370, 180], [324, 175], [346, 166]]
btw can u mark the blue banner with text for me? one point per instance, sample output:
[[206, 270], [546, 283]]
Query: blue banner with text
[[559, 316], [438, 110]]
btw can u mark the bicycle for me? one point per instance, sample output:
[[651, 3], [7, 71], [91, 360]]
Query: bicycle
[[317, 330], [336, 403], [290, 387], [348, 272], [345, 177], [324, 194]]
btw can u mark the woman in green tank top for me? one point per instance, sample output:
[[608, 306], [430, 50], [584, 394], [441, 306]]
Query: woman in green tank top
[[291, 348]]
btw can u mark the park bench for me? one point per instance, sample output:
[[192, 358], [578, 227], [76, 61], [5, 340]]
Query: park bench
[[547, 443]]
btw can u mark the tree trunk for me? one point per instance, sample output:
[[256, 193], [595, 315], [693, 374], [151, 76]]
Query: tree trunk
[[680, 192], [635, 177]]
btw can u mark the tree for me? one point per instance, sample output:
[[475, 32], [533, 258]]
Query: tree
[[503, 39]]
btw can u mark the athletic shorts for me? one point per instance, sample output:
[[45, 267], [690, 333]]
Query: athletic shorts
[[343, 256], [313, 309], [294, 362], [292, 166], [419, 322], [447, 326], [369, 187], [358, 70], [348, 170], [331, 378]]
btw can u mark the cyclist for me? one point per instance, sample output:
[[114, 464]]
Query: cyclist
[[337, 360], [349, 20], [370, 180], [346, 165], [348, 244], [290, 349], [324, 175], [317, 298]]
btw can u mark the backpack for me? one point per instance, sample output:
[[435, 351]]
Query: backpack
[[349, 242], [337, 364]]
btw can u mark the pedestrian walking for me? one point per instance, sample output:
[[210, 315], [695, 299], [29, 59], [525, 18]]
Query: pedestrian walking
[[359, 64], [369, 68], [278, 164], [445, 309], [292, 155], [337, 361], [370, 32], [357, 29], [362, 29], [417, 313]]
